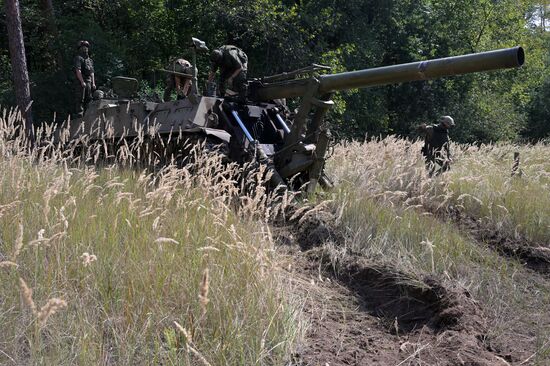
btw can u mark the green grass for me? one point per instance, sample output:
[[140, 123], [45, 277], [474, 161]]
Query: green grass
[[417, 243], [481, 183], [156, 236]]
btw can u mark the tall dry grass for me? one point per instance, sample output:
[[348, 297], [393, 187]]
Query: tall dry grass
[[118, 265], [127, 257], [396, 213], [480, 184]]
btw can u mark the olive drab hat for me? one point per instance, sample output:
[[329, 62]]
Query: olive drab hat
[[447, 121], [98, 94], [82, 43]]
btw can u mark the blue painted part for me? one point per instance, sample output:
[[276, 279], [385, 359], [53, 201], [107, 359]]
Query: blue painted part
[[241, 124], [282, 123]]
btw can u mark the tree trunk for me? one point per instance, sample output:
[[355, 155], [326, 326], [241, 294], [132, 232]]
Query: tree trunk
[[19, 62]]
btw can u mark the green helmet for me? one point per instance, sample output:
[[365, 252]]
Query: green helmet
[[82, 43], [447, 121], [181, 65], [98, 94], [216, 56]]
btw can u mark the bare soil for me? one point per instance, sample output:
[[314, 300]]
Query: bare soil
[[535, 256], [365, 313], [370, 315]]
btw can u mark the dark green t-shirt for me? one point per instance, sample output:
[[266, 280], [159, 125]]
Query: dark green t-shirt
[[85, 65]]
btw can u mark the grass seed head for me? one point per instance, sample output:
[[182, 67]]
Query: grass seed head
[[26, 294], [203, 291], [166, 240], [18, 243], [88, 258], [6, 264], [52, 306]]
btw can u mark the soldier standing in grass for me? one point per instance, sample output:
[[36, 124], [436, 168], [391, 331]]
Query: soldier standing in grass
[[233, 65], [436, 149], [85, 80], [179, 83]]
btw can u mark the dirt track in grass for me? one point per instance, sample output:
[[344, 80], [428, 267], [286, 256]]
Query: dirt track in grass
[[364, 313], [370, 315], [535, 256]]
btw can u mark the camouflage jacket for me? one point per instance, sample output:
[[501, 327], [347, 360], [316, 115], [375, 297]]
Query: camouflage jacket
[[233, 58], [436, 140], [85, 65]]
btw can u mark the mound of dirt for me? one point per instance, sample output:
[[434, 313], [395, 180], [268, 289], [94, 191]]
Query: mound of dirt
[[532, 255], [365, 314], [411, 304], [316, 229], [406, 302]]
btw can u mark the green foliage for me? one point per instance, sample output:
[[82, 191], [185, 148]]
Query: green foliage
[[6, 94], [135, 38], [539, 113], [146, 92]]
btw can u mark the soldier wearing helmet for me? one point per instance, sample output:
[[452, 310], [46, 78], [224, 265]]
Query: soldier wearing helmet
[[176, 81], [436, 149], [233, 65], [85, 80]]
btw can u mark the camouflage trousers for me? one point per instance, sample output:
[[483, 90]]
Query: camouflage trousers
[[185, 86], [239, 85], [83, 96], [437, 163]]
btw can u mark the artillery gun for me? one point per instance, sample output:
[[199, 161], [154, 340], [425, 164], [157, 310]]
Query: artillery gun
[[262, 128]]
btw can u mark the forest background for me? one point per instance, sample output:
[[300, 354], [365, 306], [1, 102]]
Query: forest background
[[136, 38]]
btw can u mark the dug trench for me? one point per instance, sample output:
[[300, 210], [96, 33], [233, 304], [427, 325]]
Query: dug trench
[[532, 255], [366, 313]]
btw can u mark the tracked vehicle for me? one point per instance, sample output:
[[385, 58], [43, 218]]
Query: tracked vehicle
[[293, 144]]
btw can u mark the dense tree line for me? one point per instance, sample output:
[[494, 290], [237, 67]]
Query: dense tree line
[[135, 38]]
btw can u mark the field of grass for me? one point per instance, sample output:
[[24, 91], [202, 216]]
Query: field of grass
[[111, 264], [395, 214], [480, 183]]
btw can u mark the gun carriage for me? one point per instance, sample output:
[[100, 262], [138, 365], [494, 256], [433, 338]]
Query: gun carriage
[[261, 127]]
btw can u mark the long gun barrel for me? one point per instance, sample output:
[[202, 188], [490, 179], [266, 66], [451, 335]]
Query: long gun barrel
[[422, 70]]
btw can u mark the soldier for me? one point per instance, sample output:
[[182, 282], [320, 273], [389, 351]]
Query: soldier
[[233, 65], [179, 83], [85, 80], [436, 149]]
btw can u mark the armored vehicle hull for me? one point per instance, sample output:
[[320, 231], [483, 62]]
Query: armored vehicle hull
[[292, 144]]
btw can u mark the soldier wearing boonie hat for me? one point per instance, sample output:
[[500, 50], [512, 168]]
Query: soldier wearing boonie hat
[[85, 80], [178, 82]]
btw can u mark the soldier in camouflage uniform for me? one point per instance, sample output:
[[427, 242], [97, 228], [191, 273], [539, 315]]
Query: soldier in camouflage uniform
[[85, 80], [233, 65], [180, 84], [436, 149]]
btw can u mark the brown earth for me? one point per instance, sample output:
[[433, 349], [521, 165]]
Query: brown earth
[[371, 315], [364, 313], [535, 256]]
